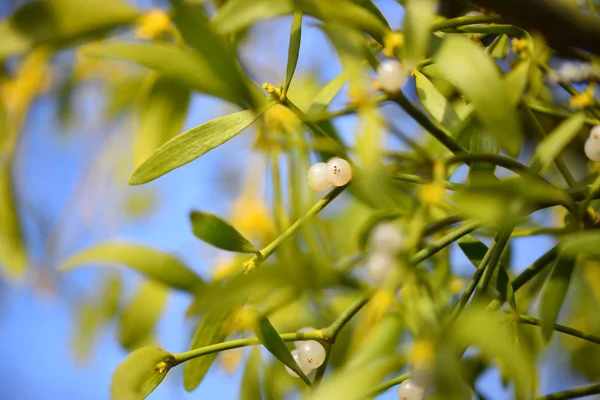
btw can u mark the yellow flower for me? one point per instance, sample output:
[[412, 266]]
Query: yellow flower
[[392, 41], [153, 24], [520, 46], [432, 193], [456, 285], [252, 218], [422, 353], [582, 100]]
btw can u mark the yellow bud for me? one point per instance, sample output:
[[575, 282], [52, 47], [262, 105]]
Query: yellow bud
[[432, 193], [392, 41], [582, 100], [422, 353], [520, 46], [456, 285], [153, 24]]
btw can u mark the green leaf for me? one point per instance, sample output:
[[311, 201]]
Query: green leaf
[[154, 264], [161, 117], [61, 22], [475, 250], [328, 93], [382, 341], [269, 337], [372, 8], [554, 293], [137, 376], [236, 15], [480, 141], [580, 242], [213, 230], [13, 252], [479, 328], [420, 15], [516, 81], [139, 317], [293, 49], [467, 66], [203, 72], [500, 47], [209, 331], [556, 141], [435, 103], [250, 387], [190, 145]]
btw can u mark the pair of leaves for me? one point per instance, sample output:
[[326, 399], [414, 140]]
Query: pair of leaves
[[155, 265]]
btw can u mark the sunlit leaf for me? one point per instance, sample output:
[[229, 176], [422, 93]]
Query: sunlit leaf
[[139, 317], [154, 264], [137, 376], [209, 331], [203, 72], [250, 387], [580, 242], [480, 141], [372, 8], [13, 252], [500, 49], [190, 145], [467, 66], [161, 117], [420, 15], [213, 230], [269, 337], [240, 14], [435, 103], [293, 49], [328, 93], [554, 293], [516, 81], [61, 22], [557, 140]]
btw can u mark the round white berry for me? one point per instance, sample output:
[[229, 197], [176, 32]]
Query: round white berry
[[386, 238], [304, 369], [311, 354], [379, 266], [339, 171], [305, 329], [595, 134], [409, 390], [391, 75], [317, 177], [592, 150]]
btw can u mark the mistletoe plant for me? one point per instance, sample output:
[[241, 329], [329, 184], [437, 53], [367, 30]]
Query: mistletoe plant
[[501, 156]]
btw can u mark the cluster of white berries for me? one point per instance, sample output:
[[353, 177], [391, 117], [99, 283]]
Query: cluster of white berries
[[574, 72], [409, 390], [386, 241], [309, 354], [592, 144], [391, 75], [336, 172]]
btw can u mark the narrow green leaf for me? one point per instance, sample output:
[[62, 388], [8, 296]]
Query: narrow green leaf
[[556, 141], [199, 71], [580, 242], [154, 264], [293, 49], [372, 8], [161, 117], [328, 93], [213, 230], [480, 141], [467, 66], [137, 376], [209, 331], [420, 15], [139, 317], [13, 252], [500, 49], [481, 329], [435, 103], [475, 250], [191, 144], [61, 22], [250, 387], [554, 293], [516, 82], [236, 15], [269, 337]]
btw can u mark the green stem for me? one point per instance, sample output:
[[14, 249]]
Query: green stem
[[388, 384], [462, 21], [493, 158], [438, 131], [540, 109], [466, 228], [534, 269], [281, 217], [501, 242], [271, 247], [331, 332], [573, 393], [417, 179], [561, 328], [441, 224]]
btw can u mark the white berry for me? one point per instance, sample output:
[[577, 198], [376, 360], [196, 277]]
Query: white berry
[[317, 177], [311, 354], [339, 171], [386, 238], [379, 266], [391, 75], [305, 329], [302, 367], [409, 390], [592, 150]]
